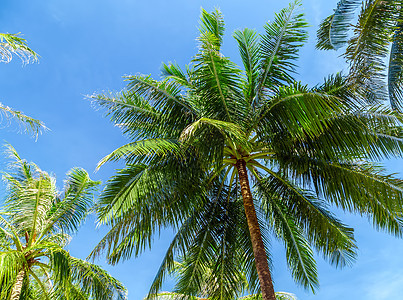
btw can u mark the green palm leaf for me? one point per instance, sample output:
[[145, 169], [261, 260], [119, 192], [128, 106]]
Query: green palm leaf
[[33, 223], [13, 44], [395, 69], [279, 48]]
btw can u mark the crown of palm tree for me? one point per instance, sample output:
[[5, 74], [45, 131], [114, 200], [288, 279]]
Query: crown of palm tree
[[35, 221], [230, 157]]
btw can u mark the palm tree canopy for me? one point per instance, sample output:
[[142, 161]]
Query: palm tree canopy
[[304, 149], [373, 50], [35, 222]]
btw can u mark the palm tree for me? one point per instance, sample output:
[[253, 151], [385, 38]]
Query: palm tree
[[34, 224], [375, 49], [13, 44], [230, 156]]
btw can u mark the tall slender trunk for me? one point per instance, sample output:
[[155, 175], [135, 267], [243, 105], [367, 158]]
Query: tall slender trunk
[[262, 266], [16, 291]]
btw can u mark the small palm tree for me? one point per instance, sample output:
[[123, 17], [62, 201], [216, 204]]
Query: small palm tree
[[13, 44], [203, 295], [34, 224], [176, 296], [374, 50], [231, 157]]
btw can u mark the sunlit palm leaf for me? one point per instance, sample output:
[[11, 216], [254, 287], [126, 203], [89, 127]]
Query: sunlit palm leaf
[[13, 44]]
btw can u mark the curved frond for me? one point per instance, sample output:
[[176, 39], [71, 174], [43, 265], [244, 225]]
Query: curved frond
[[173, 72], [70, 211], [133, 114], [369, 46], [165, 96], [326, 233], [333, 31], [25, 122], [248, 45], [355, 187], [143, 148], [13, 44], [299, 254], [296, 111], [96, 282]]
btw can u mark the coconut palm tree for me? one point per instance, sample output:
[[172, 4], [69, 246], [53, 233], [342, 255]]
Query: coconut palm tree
[[374, 51], [231, 157], [13, 44], [35, 222]]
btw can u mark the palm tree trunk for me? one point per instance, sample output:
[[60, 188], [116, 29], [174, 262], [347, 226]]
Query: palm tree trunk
[[262, 266], [16, 291]]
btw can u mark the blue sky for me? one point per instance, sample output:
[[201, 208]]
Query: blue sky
[[85, 47]]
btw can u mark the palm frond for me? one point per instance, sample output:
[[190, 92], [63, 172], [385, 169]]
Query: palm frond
[[333, 31], [158, 190], [26, 123], [11, 262], [296, 111], [326, 233], [13, 44], [248, 45], [395, 71], [96, 282], [70, 211], [60, 264], [299, 254], [355, 187], [143, 148], [226, 129], [218, 83], [367, 49], [165, 96], [279, 50], [212, 24], [173, 72], [133, 114]]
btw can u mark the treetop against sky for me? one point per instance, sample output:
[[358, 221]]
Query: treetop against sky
[[86, 46]]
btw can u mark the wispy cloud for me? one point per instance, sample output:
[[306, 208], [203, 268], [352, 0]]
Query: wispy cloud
[[385, 286]]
